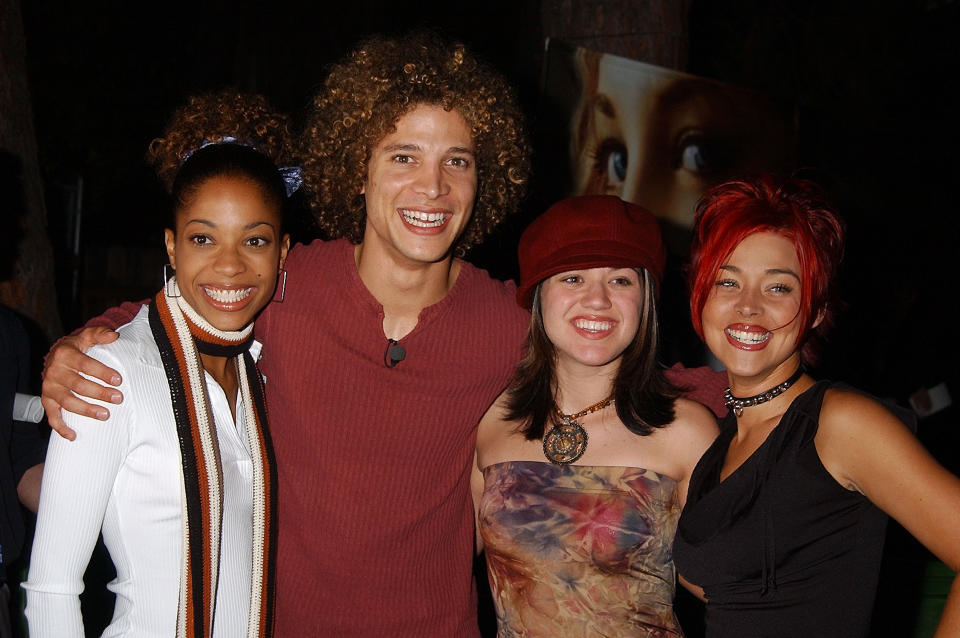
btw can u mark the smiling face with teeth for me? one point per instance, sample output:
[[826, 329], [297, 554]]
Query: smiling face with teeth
[[227, 249], [592, 315], [751, 317], [420, 188]]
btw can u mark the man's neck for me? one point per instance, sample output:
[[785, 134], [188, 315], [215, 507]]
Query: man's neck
[[403, 287]]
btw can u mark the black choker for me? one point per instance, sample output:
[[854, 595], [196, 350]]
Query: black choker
[[737, 404], [222, 349]]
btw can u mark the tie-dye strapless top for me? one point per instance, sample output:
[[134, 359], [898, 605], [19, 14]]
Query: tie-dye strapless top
[[577, 550]]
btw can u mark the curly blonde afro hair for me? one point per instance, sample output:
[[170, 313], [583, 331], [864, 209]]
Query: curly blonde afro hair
[[211, 117], [378, 83]]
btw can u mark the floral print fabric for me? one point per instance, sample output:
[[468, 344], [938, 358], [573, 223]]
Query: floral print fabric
[[578, 550]]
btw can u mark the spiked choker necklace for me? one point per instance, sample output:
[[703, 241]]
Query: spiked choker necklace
[[737, 404], [567, 440]]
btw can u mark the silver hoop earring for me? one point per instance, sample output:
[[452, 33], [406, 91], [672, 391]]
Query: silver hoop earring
[[281, 286], [170, 287]]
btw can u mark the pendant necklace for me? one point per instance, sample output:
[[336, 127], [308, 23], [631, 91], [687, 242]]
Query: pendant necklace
[[567, 440], [737, 404]]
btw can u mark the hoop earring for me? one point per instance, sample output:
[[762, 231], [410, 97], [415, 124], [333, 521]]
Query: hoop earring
[[170, 287], [282, 286]]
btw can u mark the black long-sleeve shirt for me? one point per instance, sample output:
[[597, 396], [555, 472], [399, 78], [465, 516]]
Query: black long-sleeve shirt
[[22, 445]]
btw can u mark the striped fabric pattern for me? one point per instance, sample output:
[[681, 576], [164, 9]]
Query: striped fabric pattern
[[175, 327]]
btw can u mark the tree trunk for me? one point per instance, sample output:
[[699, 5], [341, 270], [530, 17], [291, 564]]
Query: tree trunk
[[652, 31], [27, 283]]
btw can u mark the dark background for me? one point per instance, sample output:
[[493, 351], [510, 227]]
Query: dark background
[[874, 84]]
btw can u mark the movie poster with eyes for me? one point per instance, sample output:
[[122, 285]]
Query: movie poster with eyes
[[656, 136], [659, 138]]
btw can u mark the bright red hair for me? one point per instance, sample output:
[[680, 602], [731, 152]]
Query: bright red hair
[[795, 208]]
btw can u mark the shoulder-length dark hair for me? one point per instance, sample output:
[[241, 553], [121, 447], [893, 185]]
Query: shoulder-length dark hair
[[644, 397]]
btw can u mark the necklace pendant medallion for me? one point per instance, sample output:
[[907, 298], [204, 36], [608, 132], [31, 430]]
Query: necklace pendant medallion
[[565, 442]]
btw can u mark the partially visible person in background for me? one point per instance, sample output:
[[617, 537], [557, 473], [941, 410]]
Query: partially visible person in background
[[23, 442], [786, 513], [22, 448], [181, 478]]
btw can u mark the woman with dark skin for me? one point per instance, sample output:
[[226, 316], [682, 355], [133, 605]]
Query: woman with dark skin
[[181, 480]]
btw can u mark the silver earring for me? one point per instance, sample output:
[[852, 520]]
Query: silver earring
[[170, 287], [281, 286]]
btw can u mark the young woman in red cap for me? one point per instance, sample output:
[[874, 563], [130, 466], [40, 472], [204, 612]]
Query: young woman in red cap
[[785, 517], [583, 462]]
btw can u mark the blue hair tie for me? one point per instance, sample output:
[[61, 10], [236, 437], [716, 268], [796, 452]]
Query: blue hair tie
[[223, 140], [292, 178]]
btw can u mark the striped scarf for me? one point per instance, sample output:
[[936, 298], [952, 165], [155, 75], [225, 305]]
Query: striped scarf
[[180, 332]]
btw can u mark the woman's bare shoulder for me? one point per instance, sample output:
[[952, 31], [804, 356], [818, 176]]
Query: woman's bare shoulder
[[694, 420], [855, 413], [692, 431]]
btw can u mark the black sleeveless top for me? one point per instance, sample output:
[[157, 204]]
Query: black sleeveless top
[[780, 548]]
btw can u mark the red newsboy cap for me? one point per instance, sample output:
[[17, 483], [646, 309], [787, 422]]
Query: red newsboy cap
[[588, 231]]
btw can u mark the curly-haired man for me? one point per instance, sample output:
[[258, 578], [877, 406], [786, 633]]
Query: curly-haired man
[[387, 349]]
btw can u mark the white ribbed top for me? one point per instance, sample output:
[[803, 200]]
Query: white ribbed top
[[125, 476]]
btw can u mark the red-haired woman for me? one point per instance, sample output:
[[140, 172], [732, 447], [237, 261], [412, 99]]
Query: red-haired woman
[[783, 527]]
